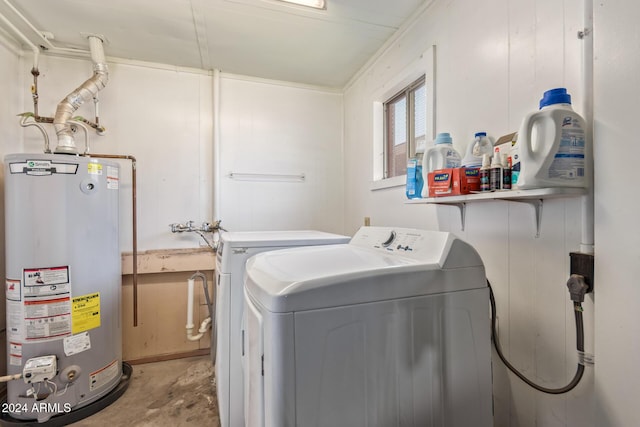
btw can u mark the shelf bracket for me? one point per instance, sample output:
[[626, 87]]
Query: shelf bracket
[[463, 211], [537, 207]]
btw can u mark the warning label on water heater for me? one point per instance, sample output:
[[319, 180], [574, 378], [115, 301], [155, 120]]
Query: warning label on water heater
[[47, 318], [41, 282], [112, 178], [94, 168], [13, 289], [86, 312], [103, 377], [15, 353], [76, 344], [45, 311]]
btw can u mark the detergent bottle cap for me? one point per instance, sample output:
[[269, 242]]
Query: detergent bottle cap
[[443, 138], [480, 134], [555, 96]]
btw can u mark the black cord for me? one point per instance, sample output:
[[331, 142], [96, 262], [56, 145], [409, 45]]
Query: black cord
[[579, 345]]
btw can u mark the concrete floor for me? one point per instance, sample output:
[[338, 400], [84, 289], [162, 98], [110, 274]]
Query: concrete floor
[[164, 394]]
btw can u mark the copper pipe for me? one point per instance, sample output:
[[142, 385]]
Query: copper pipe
[[97, 127], [34, 90], [135, 225]]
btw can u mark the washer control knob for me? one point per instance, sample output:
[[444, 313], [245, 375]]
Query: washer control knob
[[390, 239]]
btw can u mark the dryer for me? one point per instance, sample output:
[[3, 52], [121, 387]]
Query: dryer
[[233, 251], [391, 329]]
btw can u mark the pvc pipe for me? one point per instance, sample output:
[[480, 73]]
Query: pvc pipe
[[216, 144], [587, 240], [34, 48], [39, 34], [204, 326], [190, 284]]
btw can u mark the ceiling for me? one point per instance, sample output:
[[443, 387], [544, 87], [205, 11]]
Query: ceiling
[[263, 38]]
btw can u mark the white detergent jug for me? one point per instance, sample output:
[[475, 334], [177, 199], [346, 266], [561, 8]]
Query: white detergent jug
[[551, 149], [441, 155], [480, 146]]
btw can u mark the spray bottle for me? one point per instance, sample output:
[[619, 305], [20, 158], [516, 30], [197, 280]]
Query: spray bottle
[[495, 173], [484, 174], [506, 172]]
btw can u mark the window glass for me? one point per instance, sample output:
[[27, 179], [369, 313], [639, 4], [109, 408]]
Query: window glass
[[420, 116], [405, 127]]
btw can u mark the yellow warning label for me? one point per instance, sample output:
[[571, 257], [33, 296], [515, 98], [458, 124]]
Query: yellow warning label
[[85, 312], [94, 168]]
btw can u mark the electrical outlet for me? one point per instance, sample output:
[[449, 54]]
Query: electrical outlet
[[582, 264]]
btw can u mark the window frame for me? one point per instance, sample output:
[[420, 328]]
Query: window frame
[[423, 65], [407, 93]]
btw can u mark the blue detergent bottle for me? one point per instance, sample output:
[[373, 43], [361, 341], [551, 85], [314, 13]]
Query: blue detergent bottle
[[415, 182]]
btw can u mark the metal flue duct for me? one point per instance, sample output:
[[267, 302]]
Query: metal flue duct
[[75, 99]]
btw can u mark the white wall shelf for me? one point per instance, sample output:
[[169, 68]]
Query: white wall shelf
[[532, 197]]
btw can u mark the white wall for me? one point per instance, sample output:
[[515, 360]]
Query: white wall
[[276, 128], [616, 148], [494, 59]]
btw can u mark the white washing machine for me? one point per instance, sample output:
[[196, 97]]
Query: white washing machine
[[391, 329], [234, 250]]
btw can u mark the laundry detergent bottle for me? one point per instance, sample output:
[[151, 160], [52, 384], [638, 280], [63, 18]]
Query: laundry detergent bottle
[[552, 148], [476, 150], [441, 155]]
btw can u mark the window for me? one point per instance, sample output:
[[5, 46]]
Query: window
[[402, 119], [405, 127]]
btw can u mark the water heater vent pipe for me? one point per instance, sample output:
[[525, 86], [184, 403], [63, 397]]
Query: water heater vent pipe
[[86, 92]]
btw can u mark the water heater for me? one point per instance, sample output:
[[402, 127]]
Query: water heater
[[63, 283]]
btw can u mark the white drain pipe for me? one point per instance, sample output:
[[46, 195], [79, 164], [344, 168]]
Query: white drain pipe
[[49, 46], [217, 170], [204, 326], [34, 48], [82, 94], [587, 244]]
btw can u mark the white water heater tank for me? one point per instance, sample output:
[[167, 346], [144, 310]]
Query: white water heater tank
[[63, 283]]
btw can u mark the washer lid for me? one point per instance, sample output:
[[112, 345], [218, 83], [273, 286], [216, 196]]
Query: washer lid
[[258, 239], [330, 276]]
